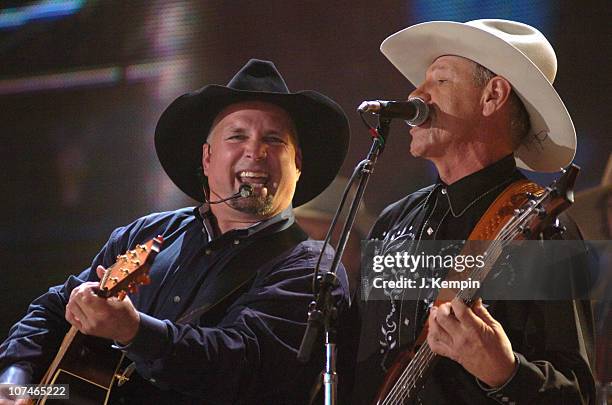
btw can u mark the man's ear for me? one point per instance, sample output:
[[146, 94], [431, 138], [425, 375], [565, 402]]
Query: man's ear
[[495, 95], [205, 158]]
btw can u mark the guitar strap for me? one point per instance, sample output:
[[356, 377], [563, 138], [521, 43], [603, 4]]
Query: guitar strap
[[501, 210]]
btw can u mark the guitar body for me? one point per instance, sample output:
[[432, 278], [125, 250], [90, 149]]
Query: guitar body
[[89, 366]]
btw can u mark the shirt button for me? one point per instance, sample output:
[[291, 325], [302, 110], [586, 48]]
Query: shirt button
[[152, 380], [207, 251], [176, 299], [236, 241], [443, 191]]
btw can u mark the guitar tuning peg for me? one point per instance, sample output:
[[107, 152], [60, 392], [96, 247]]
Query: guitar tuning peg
[[560, 229], [554, 230]]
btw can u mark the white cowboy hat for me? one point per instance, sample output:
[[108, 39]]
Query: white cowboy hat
[[516, 51]]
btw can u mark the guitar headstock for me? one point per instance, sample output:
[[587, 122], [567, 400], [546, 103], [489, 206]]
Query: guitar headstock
[[130, 270], [542, 212], [564, 186]]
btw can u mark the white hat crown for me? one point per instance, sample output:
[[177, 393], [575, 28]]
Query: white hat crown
[[531, 42]]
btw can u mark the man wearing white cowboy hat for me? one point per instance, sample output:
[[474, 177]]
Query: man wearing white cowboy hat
[[223, 317], [488, 84]]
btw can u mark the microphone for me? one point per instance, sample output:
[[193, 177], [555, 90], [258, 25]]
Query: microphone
[[414, 111], [245, 190]]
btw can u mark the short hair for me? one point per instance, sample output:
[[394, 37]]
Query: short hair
[[520, 125]]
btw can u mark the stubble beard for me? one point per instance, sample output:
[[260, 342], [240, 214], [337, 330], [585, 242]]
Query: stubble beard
[[255, 205]]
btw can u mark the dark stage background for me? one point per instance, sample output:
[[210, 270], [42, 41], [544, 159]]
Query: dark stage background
[[82, 84]]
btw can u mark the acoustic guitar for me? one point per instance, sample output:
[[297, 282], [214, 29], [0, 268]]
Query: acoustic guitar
[[89, 365], [523, 211]]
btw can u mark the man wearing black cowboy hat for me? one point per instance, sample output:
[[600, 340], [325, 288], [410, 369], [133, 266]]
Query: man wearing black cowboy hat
[[224, 314], [488, 85]]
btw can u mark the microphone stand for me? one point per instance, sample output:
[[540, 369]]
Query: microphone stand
[[322, 311]]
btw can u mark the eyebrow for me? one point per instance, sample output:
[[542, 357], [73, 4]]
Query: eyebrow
[[235, 128], [442, 67]]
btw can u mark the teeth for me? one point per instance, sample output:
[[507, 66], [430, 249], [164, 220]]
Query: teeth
[[247, 174]]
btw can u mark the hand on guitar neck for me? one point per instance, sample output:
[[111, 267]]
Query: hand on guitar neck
[[472, 338], [111, 318]]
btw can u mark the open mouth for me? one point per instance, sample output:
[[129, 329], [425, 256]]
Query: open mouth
[[255, 178]]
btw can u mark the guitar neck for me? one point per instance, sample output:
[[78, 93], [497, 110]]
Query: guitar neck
[[68, 339]]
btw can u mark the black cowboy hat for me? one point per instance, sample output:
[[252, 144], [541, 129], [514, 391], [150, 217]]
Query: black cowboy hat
[[322, 128]]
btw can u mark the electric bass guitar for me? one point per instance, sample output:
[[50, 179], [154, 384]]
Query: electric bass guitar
[[87, 364], [523, 211]]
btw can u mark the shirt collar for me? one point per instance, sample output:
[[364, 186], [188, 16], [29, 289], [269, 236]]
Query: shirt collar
[[464, 191], [282, 220]]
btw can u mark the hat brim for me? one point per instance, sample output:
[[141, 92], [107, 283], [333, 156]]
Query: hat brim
[[322, 126], [413, 49]]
